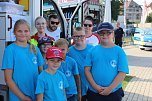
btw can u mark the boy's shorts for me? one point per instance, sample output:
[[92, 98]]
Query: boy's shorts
[[115, 96], [73, 97]]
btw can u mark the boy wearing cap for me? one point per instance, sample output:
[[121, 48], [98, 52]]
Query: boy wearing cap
[[106, 67], [44, 43], [70, 69], [51, 83]]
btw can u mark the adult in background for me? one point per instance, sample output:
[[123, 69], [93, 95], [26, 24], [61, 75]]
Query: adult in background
[[88, 26], [40, 25], [118, 35], [53, 28]]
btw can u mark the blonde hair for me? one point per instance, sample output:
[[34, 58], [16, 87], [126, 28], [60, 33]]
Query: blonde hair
[[20, 22], [40, 17], [61, 41]]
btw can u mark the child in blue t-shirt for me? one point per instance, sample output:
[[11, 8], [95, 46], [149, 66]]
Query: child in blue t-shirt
[[21, 64], [51, 82], [78, 52], [106, 67], [70, 69]]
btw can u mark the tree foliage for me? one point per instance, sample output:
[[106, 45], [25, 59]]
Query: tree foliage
[[115, 9], [149, 18]]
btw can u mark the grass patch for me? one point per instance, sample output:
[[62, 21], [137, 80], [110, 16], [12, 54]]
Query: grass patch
[[126, 80]]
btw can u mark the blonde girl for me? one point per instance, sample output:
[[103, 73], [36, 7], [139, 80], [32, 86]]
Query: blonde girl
[[40, 25], [21, 64]]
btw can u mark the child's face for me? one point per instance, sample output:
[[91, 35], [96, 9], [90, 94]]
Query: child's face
[[44, 47], [54, 63], [22, 33], [105, 36], [79, 38], [40, 25], [64, 49]]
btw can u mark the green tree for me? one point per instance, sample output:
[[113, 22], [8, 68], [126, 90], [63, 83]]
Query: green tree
[[149, 18], [115, 9]]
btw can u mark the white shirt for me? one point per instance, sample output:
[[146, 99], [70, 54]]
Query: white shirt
[[55, 34], [93, 40]]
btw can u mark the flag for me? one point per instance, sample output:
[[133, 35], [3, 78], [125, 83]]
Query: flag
[[144, 12]]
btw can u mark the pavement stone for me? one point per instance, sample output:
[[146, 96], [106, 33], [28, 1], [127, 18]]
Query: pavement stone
[[140, 65], [140, 87]]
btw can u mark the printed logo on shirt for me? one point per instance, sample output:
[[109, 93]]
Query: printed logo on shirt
[[113, 63], [34, 59], [61, 84], [68, 73]]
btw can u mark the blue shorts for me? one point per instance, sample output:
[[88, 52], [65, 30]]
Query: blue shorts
[[115, 96]]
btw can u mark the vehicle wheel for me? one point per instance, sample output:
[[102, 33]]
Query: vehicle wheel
[[142, 48]]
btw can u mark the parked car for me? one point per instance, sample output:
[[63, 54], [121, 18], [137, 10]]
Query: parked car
[[146, 40], [137, 35]]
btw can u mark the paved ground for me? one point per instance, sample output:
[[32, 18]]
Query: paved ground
[[140, 65]]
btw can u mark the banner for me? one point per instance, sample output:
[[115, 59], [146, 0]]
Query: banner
[[67, 1]]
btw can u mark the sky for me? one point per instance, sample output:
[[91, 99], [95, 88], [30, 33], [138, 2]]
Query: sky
[[141, 2]]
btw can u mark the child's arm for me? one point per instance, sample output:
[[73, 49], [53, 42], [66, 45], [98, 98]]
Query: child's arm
[[39, 97], [78, 83], [40, 69], [118, 79], [90, 79], [13, 87]]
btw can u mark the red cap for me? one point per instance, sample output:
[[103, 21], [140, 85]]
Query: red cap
[[54, 52]]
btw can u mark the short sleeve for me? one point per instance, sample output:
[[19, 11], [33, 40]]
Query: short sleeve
[[123, 62], [40, 86], [88, 62], [40, 58], [8, 59], [75, 67]]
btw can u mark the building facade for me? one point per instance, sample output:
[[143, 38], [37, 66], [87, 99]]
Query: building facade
[[133, 11]]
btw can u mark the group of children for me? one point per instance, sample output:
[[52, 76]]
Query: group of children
[[56, 72]]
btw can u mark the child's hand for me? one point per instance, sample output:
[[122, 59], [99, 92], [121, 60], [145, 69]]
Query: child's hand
[[99, 88], [106, 91], [26, 98]]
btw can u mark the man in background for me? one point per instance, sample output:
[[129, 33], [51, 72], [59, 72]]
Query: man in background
[[118, 35], [53, 28]]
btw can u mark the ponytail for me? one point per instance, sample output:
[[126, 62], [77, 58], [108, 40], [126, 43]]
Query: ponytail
[[32, 47]]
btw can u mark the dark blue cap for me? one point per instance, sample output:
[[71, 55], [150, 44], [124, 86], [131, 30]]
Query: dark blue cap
[[45, 39], [105, 26]]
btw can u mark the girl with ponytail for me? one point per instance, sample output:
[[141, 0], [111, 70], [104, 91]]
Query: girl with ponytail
[[22, 63]]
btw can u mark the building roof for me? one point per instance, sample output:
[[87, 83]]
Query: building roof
[[130, 2]]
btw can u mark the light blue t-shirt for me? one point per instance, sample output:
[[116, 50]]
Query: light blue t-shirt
[[52, 86], [69, 68], [105, 64], [80, 57], [24, 64]]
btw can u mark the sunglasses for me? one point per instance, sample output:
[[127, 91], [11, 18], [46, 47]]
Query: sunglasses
[[104, 33], [85, 25], [52, 22]]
